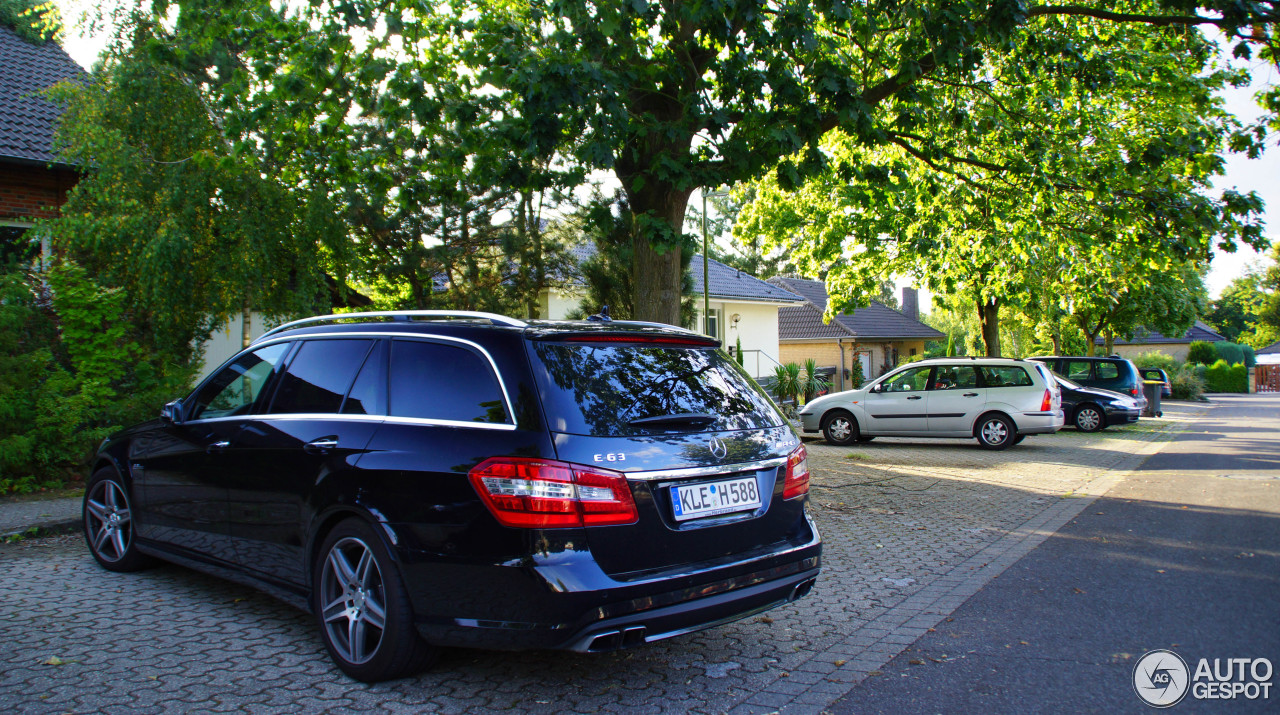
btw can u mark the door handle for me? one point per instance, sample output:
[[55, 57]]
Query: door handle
[[916, 397], [317, 446], [970, 394], [218, 446]]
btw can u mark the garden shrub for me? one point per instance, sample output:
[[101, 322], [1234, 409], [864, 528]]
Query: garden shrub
[[70, 374], [1250, 357], [1223, 377], [1156, 359], [1201, 352], [1232, 353], [1185, 384]]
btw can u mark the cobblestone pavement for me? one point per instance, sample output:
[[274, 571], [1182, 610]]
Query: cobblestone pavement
[[912, 529]]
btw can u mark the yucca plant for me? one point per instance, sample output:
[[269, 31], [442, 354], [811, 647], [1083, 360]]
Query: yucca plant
[[812, 383]]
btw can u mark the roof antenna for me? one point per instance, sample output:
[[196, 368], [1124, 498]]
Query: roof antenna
[[602, 316]]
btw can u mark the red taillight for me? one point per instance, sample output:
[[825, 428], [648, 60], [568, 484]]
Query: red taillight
[[797, 482], [545, 494], [1135, 391], [1047, 403]]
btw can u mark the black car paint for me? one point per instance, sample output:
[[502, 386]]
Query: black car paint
[[1075, 396], [255, 509]]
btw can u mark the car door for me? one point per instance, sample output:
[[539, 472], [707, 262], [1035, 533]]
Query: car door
[[184, 473], [954, 399], [315, 427], [899, 405]]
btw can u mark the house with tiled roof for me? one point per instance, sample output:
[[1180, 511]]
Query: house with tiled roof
[[33, 183], [869, 339], [742, 308], [1145, 341]]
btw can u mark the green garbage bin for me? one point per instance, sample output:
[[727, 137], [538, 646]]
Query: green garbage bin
[[1152, 389]]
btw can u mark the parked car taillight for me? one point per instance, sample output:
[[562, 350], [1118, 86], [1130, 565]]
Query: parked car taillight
[[1047, 403], [797, 481], [546, 494], [1135, 391]]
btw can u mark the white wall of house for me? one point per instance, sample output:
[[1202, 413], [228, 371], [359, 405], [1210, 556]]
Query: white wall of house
[[226, 341], [757, 327], [555, 304]]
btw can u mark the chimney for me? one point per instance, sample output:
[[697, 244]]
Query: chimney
[[910, 303]]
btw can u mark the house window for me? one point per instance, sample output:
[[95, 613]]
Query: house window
[[15, 246], [713, 322]]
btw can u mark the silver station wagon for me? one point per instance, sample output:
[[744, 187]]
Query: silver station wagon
[[997, 401]]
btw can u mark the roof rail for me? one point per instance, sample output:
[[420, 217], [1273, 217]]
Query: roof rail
[[493, 318], [648, 324]]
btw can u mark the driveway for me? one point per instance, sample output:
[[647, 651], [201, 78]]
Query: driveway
[[913, 528]]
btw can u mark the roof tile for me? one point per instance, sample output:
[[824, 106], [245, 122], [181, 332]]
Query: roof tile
[[27, 120]]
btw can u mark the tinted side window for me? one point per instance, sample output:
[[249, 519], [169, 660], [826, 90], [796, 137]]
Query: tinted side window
[[1078, 369], [319, 376], [443, 382], [234, 389], [369, 393], [1107, 371], [1005, 376]]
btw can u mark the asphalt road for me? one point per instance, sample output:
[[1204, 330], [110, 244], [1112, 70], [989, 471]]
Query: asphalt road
[[1183, 555]]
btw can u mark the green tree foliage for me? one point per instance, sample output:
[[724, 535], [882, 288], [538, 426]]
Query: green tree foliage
[[1201, 352], [36, 21], [1086, 167], [668, 96], [1232, 353], [188, 232], [1167, 301], [1237, 309], [1222, 376]]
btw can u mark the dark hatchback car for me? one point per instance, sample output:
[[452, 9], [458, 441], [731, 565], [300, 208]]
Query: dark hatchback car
[[1108, 373], [421, 479], [1092, 409], [1155, 374]]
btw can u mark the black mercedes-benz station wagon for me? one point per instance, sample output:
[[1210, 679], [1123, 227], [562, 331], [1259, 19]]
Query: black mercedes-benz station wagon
[[421, 479]]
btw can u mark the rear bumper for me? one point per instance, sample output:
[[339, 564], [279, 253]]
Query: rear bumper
[[565, 601], [1041, 422]]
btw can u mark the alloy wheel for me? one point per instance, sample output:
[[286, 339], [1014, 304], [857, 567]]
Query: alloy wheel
[[353, 600], [108, 521]]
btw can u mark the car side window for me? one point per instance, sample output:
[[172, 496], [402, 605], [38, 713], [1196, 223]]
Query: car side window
[[913, 380], [1005, 376], [233, 389], [319, 376], [443, 382], [1108, 371], [955, 377], [368, 395], [1078, 369]]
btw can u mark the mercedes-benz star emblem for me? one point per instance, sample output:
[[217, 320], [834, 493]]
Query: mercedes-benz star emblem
[[718, 448]]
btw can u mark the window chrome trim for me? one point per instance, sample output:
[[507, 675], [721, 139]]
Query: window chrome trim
[[708, 471], [493, 366], [504, 426]]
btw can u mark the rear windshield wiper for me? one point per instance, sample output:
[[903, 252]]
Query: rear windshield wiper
[[684, 418]]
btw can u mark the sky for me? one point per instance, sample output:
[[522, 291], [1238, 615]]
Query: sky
[[1261, 175]]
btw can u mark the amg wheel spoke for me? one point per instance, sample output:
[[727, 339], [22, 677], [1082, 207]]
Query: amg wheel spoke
[[341, 567], [365, 568], [100, 539], [122, 517], [374, 614], [355, 639], [118, 539], [97, 510]]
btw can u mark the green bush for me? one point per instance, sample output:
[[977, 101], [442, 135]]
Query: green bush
[[1156, 359], [1185, 384], [1250, 357], [70, 374], [1232, 353], [1223, 377], [1201, 352]]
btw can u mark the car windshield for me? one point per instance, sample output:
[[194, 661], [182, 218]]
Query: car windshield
[[633, 390]]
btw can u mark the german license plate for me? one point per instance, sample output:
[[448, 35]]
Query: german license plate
[[711, 498]]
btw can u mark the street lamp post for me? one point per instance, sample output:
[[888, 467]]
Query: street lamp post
[[706, 265]]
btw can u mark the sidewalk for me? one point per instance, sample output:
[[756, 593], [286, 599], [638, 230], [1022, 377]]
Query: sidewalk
[[45, 516]]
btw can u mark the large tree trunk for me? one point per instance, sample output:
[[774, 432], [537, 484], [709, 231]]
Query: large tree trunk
[[657, 277], [246, 326], [989, 316]]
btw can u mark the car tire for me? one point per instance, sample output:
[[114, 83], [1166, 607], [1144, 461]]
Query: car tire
[[1019, 438], [107, 518], [1089, 418], [363, 609], [995, 431], [839, 428]]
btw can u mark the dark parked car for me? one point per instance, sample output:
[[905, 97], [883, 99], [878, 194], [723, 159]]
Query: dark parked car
[[1109, 373], [1155, 374], [422, 479], [1091, 409]]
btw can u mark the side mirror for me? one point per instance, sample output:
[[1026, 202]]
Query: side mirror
[[172, 412], [875, 387]]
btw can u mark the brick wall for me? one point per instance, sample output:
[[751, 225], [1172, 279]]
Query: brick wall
[[30, 191]]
